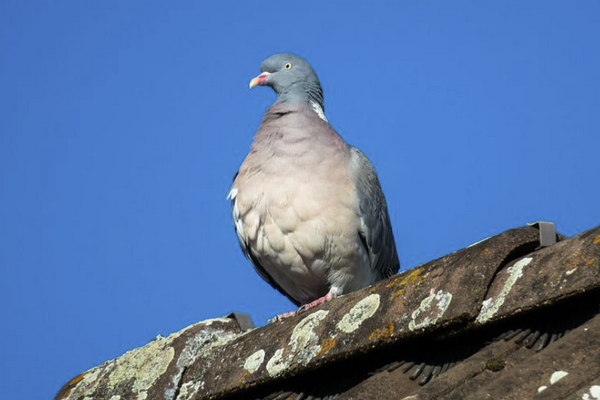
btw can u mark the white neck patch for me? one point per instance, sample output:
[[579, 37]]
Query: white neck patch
[[318, 109]]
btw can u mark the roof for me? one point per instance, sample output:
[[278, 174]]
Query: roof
[[512, 316]]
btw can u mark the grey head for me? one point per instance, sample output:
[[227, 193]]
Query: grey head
[[292, 78]]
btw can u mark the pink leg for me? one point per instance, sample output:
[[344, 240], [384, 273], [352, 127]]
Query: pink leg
[[281, 317], [329, 296]]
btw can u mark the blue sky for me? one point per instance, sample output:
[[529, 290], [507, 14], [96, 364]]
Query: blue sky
[[123, 122]]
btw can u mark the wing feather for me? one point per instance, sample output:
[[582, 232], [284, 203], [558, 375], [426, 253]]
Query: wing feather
[[376, 229]]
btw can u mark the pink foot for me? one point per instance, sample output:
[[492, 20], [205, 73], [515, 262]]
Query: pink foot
[[281, 317], [329, 296]]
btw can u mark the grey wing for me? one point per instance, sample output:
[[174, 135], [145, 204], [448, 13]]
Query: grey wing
[[239, 230], [376, 229]]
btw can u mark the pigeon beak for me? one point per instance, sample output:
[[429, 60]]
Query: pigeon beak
[[259, 80]]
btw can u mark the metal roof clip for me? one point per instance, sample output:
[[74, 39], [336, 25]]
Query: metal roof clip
[[243, 320], [547, 232]]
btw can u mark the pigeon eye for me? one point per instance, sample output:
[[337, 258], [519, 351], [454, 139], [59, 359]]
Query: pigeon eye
[[288, 66]]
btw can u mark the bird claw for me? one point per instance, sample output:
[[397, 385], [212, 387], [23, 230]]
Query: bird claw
[[281, 317], [329, 296]]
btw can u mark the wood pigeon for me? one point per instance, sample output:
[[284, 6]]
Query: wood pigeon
[[307, 207]]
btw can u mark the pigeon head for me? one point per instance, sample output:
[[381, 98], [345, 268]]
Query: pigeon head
[[292, 78]]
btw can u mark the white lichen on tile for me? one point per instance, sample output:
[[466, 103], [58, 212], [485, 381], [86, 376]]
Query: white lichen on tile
[[200, 345], [86, 386], [570, 272], [358, 314], [557, 376], [440, 300], [302, 346], [189, 389], [92, 375], [304, 342], [490, 306], [116, 397], [209, 322], [85, 382], [276, 365], [254, 362], [143, 366], [594, 393], [139, 369]]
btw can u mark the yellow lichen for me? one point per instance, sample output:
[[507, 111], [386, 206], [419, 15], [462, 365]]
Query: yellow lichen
[[70, 385], [326, 345], [597, 239], [243, 378], [383, 333], [579, 259], [397, 293], [77, 379], [485, 251], [407, 279], [394, 282]]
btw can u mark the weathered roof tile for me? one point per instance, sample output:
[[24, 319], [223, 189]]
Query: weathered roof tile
[[471, 322]]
